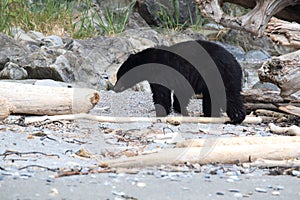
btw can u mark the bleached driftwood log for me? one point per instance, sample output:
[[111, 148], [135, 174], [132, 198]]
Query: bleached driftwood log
[[171, 120], [284, 33], [227, 154], [292, 130], [4, 109], [283, 71], [254, 21], [261, 163], [254, 140], [290, 109], [45, 100]]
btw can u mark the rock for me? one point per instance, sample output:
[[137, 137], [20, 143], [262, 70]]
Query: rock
[[13, 71], [11, 50], [3, 61], [52, 41], [20, 35], [257, 56], [135, 21], [261, 190], [250, 65], [149, 10], [236, 51], [265, 86]]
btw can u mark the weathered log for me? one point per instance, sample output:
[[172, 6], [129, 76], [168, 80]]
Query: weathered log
[[262, 99], [230, 141], [254, 21], [290, 13], [284, 33], [292, 130], [294, 110], [45, 100], [262, 163], [4, 109], [171, 120], [283, 71], [227, 154]]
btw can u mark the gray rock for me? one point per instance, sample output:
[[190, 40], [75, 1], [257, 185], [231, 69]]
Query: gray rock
[[149, 10], [257, 56], [3, 61], [13, 71], [252, 62], [52, 41], [266, 86], [236, 51], [11, 50]]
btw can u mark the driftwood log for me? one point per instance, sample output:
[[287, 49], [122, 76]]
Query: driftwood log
[[284, 33], [4, 109], [171, 120], [271, 100], [227, 154], [283, 71], [254, 21], [45, 100]]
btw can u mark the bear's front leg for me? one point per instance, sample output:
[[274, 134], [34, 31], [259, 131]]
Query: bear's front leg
[[161, 99]]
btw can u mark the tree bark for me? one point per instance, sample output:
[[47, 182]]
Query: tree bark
[[45, 100], [255, 21], [283, 71]]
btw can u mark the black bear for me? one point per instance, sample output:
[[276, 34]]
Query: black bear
[[165, 97]]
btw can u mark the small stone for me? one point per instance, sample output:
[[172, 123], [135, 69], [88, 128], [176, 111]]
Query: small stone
[[16, 175], [54, 192], [238, 195], [261, 190], [296, 173], [279, 187], [141, 184], [220, 193], [275, 193], [234, 190], [229, 180]]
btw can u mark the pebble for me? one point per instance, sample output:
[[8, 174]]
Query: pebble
[[51, 179], [275, 193], [278, 187], [16, 175], [238, 195], [220, 193], [141, 184], [54, 192], [261, 190], [296, 173], [234, 190]]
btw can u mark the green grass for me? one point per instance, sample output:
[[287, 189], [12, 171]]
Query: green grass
[[62, 19], [79, 19], [170, 21]]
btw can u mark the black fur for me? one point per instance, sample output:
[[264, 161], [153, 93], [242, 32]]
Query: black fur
[[228, 67]]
